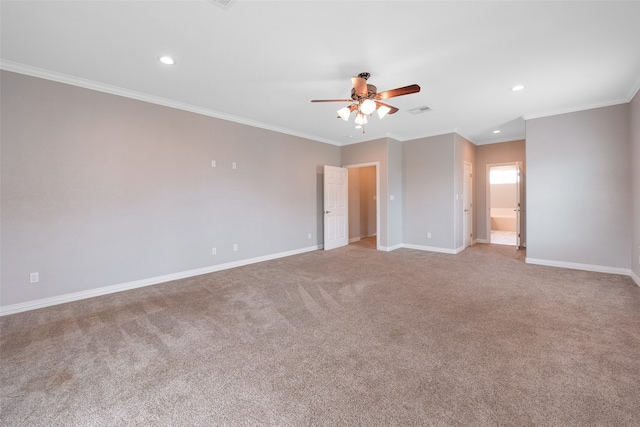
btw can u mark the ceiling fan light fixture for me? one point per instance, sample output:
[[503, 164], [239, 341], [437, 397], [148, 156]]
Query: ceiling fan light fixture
[[365, 100], [382, 111], [361, 119], [344, 113], [367, 107]]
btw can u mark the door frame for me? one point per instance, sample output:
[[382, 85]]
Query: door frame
[[377, 165], [467, 218], [517, 165]]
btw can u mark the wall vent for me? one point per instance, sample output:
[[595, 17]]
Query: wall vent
[[225, 4], [419, 110]]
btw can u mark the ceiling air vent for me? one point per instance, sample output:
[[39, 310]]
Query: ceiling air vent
[[225, 4], [419, 110]]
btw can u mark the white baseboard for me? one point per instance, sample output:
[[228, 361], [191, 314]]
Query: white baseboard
[[430, 248], [635, 277], [483, 241], [578, 266], [47, 302], [354, 239], [61, 299], [391, 248]]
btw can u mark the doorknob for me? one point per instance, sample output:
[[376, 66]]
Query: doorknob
[[327, 212]]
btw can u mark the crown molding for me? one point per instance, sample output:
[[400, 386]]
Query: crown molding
[[541, 114], [425, 135], [126, 93], [634, 90]]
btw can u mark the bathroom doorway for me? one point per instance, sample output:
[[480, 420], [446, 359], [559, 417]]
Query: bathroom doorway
[[504, 204]]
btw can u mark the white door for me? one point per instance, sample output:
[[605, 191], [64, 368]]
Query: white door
[[336, 216], [467, 228]]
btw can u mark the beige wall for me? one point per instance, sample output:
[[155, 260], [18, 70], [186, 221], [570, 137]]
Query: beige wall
[[362, 202], [505, 152], [354, 203], [367, 201], [503, 196]]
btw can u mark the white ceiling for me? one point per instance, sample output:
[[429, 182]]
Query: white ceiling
[[261, 62]]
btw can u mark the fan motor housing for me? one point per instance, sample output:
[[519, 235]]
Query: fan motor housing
[[371, 89]]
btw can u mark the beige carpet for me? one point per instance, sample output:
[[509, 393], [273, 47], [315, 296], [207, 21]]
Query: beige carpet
[[350, 337]]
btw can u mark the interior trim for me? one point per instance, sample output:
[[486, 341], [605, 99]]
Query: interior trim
[[635, 277], [577, 266], [76, 296], [430, 249], [114, 90]]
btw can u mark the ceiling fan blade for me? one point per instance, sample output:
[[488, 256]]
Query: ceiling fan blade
[[360, 85], [332, 100], [406, 90], [391, 109]]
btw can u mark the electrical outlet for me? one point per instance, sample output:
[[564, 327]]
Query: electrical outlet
[[213, 163], [214, 251], [309, 235], [235, 246], [34, 277], [234, 165], [428, 235]]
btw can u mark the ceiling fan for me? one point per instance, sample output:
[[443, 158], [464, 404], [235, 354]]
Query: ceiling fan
[[365, 99]]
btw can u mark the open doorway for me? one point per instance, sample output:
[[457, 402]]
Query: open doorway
[[503, 197], [364, 223]]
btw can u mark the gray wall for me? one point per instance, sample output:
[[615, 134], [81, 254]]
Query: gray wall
[[505, 152], [395, 207], [100, 190], [578, 188], [634, 119], [429, 188]]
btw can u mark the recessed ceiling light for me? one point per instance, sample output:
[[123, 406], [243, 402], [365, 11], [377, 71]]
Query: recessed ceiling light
[[167, 60], [496, 131], [517, 88]]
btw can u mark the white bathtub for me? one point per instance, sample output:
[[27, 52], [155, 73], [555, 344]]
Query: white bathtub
[[503, 219]]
